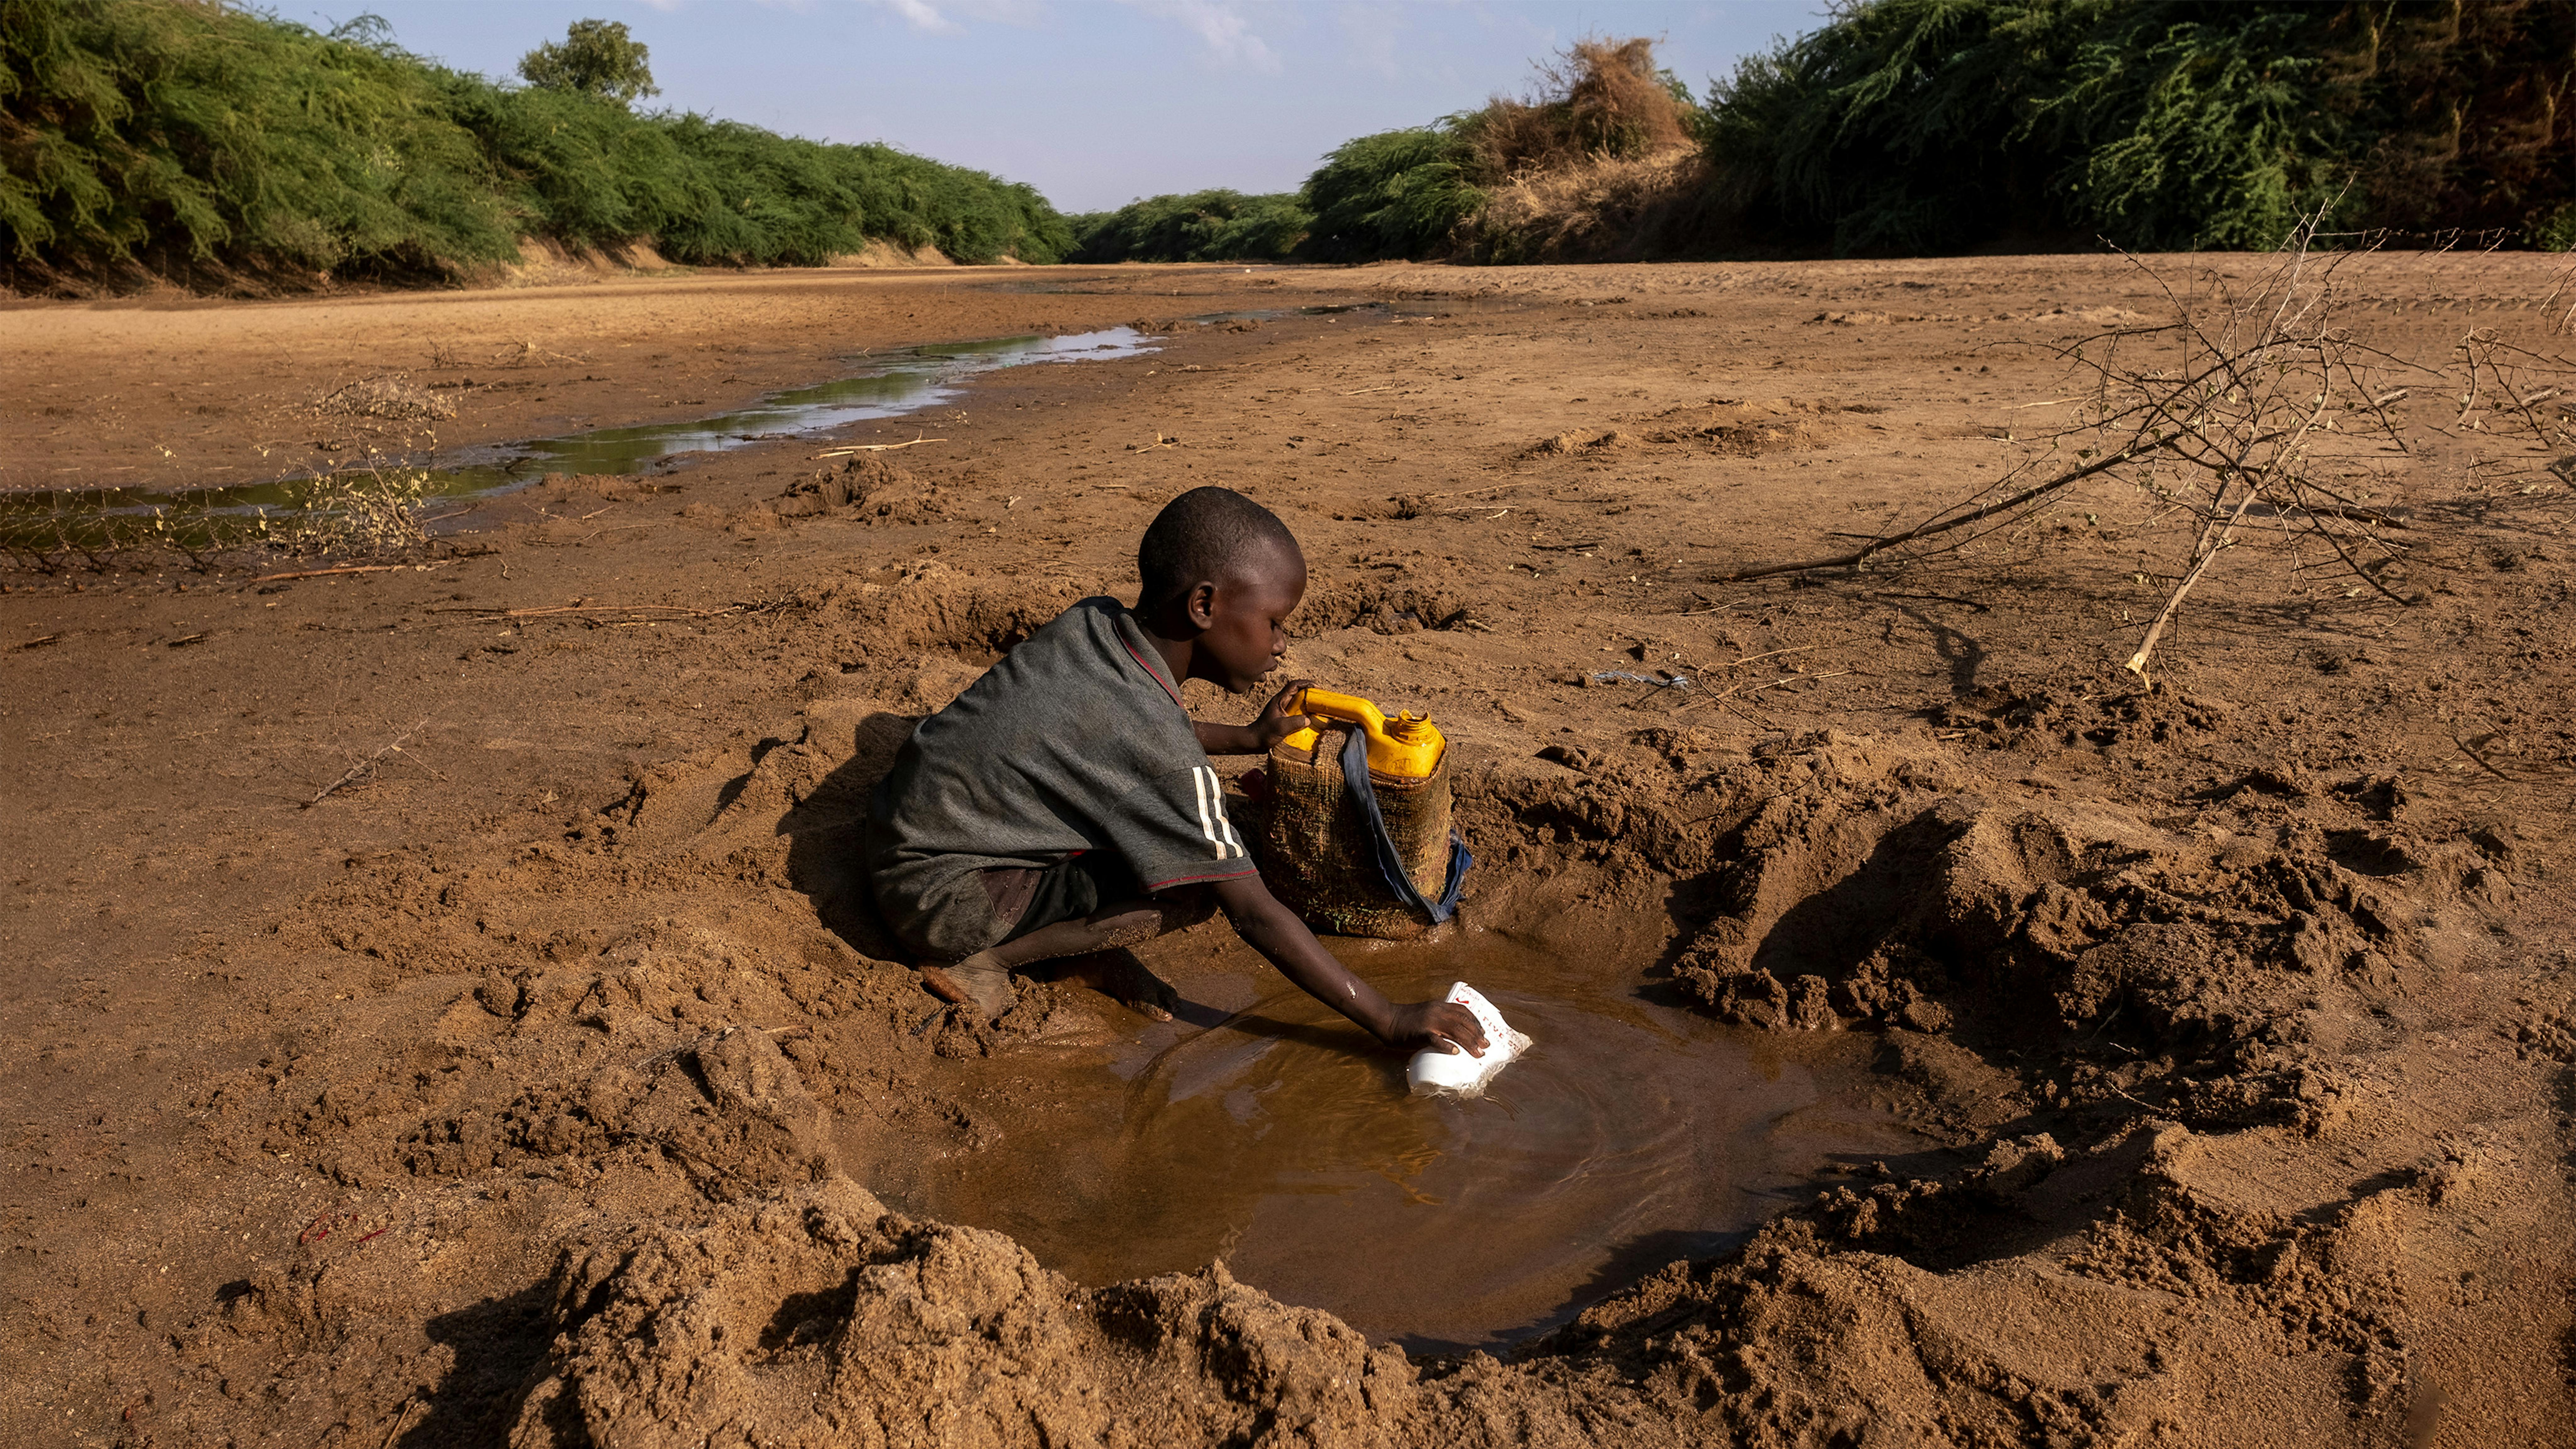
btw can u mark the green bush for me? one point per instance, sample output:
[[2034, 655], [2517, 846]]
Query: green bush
[[1931, 125], [1394, 194], [1203, 226], [1398, 194], [2556, 232], [574, 167], [187, 132], [170, 133]]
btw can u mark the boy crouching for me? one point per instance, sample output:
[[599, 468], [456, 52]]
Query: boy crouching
[[1064, 804]]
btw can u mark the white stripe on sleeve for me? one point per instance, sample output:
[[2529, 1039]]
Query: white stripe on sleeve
[[1225, 823], [1199, 776]]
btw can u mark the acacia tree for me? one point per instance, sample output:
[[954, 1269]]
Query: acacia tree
[[597, 57]]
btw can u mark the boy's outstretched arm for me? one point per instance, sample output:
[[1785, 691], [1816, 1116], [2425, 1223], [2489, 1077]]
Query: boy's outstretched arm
[[1276, 723], [1273, 930]]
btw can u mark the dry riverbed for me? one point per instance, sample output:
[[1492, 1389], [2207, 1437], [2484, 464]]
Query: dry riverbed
[[2000, 1052]]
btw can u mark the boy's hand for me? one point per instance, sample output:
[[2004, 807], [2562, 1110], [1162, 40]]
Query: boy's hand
[[1419, 1024], [1256, 738], [1277, 721]]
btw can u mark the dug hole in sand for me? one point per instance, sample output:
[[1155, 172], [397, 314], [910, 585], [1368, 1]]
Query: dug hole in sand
[[1872, 923]]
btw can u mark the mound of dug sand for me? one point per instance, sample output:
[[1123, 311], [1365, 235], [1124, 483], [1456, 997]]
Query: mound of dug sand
[[2210, 978], [819, 1319], [1734, 429]]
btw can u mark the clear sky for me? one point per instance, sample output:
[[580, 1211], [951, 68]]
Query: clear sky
[[1095, 102]]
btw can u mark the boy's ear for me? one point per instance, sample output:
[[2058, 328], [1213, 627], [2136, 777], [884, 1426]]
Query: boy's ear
[[1201, 603]]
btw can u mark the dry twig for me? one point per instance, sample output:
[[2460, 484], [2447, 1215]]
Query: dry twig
[[589, 610], [345, 569], [874, 447], [364, 767]]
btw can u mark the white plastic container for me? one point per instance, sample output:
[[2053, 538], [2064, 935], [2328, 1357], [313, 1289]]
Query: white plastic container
[[1434, 1069]]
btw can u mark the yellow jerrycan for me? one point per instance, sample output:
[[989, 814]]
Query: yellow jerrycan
[[1358, 838]]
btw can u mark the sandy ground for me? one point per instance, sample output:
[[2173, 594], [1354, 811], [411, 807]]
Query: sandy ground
[[532, 1088]]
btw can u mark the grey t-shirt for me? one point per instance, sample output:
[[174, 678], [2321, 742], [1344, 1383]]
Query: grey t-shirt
[[1076, 741]]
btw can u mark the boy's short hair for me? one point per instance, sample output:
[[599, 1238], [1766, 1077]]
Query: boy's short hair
[[1196, 536]]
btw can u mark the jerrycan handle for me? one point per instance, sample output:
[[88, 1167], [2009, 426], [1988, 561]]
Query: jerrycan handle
[[1406, 748], [1348, 708], [1390, 861]]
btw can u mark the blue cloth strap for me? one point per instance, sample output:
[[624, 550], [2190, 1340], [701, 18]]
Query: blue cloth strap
[[1390, 862]]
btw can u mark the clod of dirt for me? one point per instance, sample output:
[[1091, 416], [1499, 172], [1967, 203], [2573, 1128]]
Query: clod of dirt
[[1402, 607], [1565, 444], [1738, 429], [874, 490], [2065, 714]]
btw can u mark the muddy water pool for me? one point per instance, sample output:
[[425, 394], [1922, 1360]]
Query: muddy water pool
[[1262, 1129]]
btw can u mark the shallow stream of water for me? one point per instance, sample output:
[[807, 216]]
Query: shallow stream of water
[[912, 380], [894, 384], [1279, 1138]]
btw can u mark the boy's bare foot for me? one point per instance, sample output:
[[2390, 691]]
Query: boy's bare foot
[[971, 982], [1118, 975]]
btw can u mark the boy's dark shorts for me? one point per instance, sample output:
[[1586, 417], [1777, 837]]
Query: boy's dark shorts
[[980, 909]]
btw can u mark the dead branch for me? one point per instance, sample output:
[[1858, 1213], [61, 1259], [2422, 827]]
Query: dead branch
[[1750, 688], [875, 447], [2252, 402], [1768, 654], [588, 609], [2208, 552], [348, 569]]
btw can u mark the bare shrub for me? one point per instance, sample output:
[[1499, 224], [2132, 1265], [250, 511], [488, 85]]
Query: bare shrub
[[2253, 409], [370, 512]]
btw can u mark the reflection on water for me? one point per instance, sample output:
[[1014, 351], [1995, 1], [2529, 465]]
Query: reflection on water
[[909, 381], [1284, 1143]]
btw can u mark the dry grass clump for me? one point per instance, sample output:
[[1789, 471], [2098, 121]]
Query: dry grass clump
[[369, 513], [1424, 191], [1598, 209], [1595, 100], [392, 397]]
